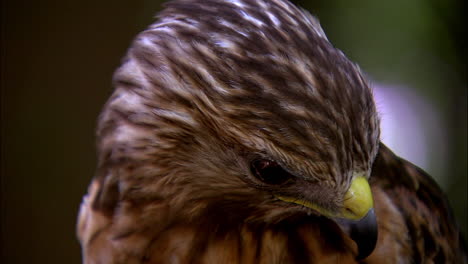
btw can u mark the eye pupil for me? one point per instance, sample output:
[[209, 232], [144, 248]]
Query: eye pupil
[[269, 172]]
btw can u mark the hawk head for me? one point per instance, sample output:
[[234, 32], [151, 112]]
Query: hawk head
[[238, 111]]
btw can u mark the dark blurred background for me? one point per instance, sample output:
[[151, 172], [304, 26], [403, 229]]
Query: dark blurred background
[[57, 60]]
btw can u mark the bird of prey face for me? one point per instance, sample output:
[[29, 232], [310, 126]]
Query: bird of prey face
[[238, 134]]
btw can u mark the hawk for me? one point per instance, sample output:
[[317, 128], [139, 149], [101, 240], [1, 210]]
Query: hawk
[[237, 133]]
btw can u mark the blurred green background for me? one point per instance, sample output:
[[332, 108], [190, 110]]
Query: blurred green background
[[57, 59]]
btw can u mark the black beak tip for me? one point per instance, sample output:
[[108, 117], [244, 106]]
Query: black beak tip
[[364, 232]]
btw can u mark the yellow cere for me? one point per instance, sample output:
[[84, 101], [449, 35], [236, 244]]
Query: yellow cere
[[357, 202]]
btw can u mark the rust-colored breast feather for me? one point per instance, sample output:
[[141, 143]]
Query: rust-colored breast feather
[[414, 219]]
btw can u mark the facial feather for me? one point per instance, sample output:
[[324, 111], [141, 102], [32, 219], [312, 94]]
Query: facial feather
[[224, 74], [213, 85]]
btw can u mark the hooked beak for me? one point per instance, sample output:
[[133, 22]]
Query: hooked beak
[[363, 232], [357, 218]]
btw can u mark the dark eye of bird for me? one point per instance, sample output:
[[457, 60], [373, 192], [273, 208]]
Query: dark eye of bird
[[269, 171]]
